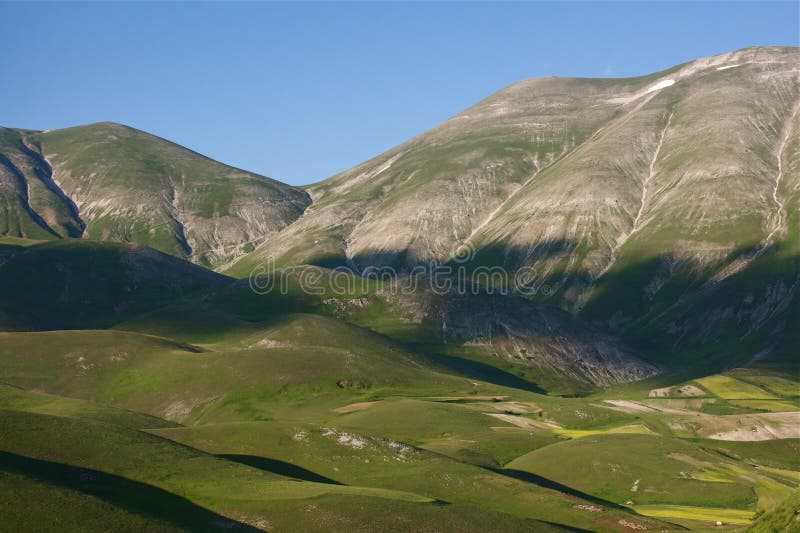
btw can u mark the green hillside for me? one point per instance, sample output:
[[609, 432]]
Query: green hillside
[[78, 284], [110, 182]]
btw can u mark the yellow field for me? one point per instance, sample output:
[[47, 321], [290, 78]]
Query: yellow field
[[711, 476], [791, 474], [728, 388], [578, 433], [774, 406], [710, 514], [777, 385]]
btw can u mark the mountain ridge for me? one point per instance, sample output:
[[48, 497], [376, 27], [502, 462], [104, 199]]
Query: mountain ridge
[[109, 181]]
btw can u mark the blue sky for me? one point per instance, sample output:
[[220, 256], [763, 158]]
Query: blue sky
[[299, 92]]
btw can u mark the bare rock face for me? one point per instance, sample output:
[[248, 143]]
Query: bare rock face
[[526, 333], [110, 182], [664, 207]]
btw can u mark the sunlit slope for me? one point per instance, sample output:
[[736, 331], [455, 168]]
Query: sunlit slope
[[301, 360], [32, 205], [553, 172], [107, 181], [193, 490]]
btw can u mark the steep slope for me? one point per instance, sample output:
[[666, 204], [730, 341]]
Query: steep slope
[[32, 205], [422, 199], [567, 165], [544, 337], [653, 205], [110, 182]]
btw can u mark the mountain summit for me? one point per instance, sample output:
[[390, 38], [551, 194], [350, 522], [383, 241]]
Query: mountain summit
[[110, 182]]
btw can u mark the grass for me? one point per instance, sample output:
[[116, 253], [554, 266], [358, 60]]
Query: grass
[[82, 284], [779, 453], [636, 429], [776, 406], [781, 518], [28, 504], [119, 498], [778, 385], [609, 466], [132, 456], [49, 404], [461, 431], [166, 380], [52, 448], [379, 461], [258, 406]]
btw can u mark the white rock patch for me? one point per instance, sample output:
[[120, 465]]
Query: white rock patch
[[661, 85]]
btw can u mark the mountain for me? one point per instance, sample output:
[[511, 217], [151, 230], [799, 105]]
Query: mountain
[[663, 207], [110, 182], [641, 376]]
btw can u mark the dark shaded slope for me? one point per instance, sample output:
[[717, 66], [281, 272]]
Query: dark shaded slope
[[82, 284]]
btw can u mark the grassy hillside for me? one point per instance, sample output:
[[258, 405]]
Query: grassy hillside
[[309, 398], [81, 455], [74, 283], [110, 182], [782, 518]]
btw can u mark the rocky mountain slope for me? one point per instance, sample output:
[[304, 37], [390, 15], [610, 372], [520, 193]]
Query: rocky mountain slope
[[543, 337], [665, 205], [111, 182]]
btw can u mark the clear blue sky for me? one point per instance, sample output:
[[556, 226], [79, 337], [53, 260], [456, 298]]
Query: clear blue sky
[[301, 91]]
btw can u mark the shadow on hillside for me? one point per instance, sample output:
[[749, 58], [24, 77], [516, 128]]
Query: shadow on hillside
[[543, 482], [469, 368], [122, 492], [279, 467], [662, 305], [693, 314]]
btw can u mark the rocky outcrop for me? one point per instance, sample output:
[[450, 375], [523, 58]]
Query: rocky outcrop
[[526, 333]]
